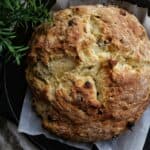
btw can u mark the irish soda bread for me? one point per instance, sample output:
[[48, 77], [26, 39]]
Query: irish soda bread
[[89, 72]]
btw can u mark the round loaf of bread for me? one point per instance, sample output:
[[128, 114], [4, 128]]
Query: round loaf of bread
[[89, 72]]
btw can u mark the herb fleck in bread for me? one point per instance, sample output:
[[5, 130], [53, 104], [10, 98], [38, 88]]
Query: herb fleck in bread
[[89, 72]]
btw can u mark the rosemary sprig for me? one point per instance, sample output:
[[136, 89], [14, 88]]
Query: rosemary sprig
[[17, 21]]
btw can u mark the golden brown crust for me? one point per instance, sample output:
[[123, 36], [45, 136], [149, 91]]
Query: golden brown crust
[[90, 72]]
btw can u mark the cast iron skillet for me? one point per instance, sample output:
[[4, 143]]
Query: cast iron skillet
[[12, 91]]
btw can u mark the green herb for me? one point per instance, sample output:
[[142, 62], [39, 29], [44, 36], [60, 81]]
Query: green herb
[[17, 21]]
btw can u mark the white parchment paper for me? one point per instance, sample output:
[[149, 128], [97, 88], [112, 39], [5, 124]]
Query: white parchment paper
[[30, 123]]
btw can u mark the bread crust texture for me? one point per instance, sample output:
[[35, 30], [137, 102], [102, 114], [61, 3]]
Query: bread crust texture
[[89, 72]]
